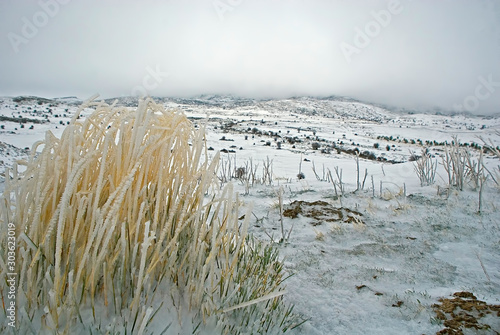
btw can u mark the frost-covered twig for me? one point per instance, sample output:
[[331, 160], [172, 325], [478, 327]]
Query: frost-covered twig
[[425, 168]]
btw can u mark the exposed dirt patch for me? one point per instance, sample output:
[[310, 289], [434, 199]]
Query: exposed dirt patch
[[321, 211], [465, 311]]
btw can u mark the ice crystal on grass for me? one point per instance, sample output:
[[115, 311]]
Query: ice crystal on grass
[[115, 211]]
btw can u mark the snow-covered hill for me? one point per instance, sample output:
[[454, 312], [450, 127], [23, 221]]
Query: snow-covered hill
[[373, 253]]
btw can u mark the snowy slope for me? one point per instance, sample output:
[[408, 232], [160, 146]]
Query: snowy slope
[[373, 261]]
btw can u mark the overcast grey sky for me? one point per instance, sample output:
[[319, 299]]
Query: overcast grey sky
[[407, 53]]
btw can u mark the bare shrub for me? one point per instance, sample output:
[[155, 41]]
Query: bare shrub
[[425, 168], [454, 164], [495, 150], [267, 171]]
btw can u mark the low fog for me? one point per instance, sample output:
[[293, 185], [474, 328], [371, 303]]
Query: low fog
[[412, 54]]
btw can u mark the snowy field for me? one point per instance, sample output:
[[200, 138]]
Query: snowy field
[[370, 250]]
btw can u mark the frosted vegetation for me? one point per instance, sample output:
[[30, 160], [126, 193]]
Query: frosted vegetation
[[114, 225], [224, 215]]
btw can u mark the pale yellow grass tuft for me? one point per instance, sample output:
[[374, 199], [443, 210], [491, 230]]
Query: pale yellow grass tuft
[[116, 208]]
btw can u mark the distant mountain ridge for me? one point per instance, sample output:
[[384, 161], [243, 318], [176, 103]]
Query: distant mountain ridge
[[231, 101]]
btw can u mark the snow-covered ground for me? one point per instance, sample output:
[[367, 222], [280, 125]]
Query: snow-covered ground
[[373, 261]]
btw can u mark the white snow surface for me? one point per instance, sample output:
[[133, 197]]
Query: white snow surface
[[381, 276]]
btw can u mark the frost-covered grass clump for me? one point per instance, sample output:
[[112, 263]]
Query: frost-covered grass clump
[[120, 229]]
